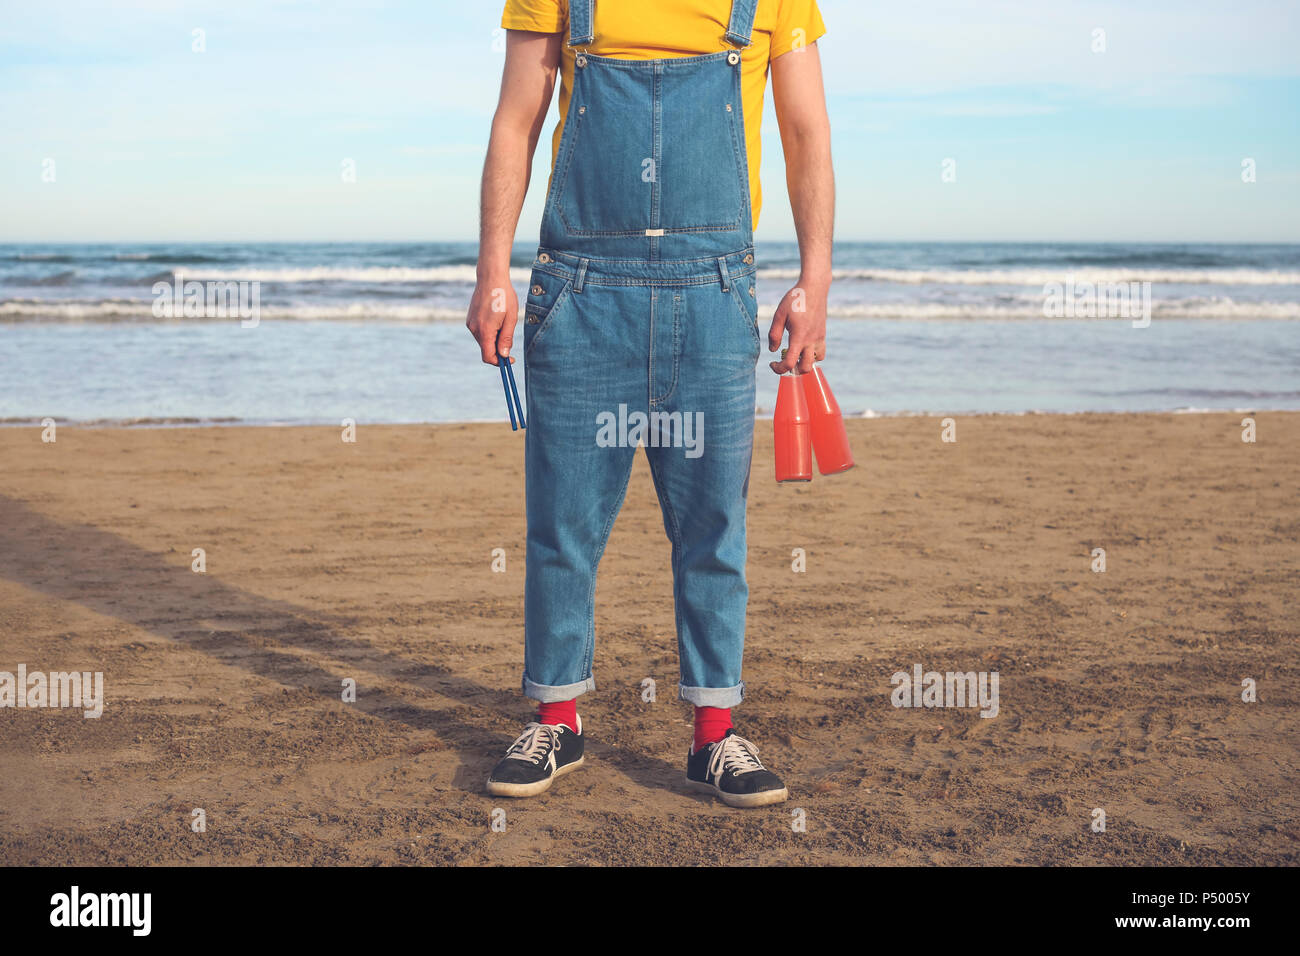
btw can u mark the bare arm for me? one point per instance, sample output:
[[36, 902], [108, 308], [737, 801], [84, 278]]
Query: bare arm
[[800, 101], [527, 82]]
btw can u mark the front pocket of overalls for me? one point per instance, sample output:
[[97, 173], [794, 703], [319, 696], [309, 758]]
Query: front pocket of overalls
[[547, 294], [744, 294]]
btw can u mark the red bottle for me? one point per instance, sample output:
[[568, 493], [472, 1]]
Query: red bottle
[[829, 439], [792, 430]]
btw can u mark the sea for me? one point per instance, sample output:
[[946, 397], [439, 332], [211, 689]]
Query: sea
[[375, 332]]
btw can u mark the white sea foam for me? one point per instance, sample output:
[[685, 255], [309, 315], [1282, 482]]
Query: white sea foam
[[1013, 277], [126, 310], [371, 274], [1170, 309], [1040, 277]]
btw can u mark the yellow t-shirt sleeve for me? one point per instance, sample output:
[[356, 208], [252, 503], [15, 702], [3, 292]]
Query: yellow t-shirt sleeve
[[538, 16], [798, 23]]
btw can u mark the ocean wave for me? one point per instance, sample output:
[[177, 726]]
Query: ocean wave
[[1025, 309], [1172, 309], [66, 277], [135, 310], [116, 257], [1126, 258], [446, 273], [1040, 277], [167, 257]]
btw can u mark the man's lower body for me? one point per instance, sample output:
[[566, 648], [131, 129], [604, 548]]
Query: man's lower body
[[621, 353]]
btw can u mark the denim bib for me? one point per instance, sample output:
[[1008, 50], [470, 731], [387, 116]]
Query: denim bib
[[652, 163]]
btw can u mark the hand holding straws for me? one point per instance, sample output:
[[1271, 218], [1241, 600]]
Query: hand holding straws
[[508, 383]]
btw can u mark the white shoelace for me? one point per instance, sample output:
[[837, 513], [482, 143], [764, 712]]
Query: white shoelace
[[736, 753], [533, 742]]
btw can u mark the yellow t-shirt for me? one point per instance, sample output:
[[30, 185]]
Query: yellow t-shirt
[[655, 29]]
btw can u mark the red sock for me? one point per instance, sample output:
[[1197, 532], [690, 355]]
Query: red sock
[[711, 725], [561, 712]]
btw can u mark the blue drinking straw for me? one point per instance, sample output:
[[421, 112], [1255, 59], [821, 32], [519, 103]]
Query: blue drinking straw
[[508, 385]]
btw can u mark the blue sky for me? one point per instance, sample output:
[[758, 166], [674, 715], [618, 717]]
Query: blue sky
[[152, 141]]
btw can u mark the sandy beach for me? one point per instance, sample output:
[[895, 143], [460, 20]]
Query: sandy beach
[[325, 560]]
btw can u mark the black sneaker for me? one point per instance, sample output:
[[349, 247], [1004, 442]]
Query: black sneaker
[[730, 770], [538, 755]]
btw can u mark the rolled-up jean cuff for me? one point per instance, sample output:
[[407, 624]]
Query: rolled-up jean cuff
[[712, 696], [547, 694]]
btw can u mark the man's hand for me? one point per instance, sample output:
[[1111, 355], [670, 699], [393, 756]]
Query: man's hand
[[493, 312], [802, 314]]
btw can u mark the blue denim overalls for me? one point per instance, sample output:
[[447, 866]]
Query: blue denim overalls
[[641, 328]]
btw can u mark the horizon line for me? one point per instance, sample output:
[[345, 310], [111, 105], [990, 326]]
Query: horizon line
[[758, 240]]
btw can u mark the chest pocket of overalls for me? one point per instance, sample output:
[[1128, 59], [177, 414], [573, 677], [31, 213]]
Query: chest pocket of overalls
[[645, 150]]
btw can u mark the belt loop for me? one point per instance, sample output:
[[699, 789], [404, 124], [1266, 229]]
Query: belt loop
[[581, 276], [723, 275]]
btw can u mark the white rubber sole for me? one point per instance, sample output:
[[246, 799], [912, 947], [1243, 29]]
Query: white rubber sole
[[532, 789], [745, 801]]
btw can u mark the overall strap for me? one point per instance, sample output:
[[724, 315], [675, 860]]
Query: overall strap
[[740, 30], [580, 22]]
